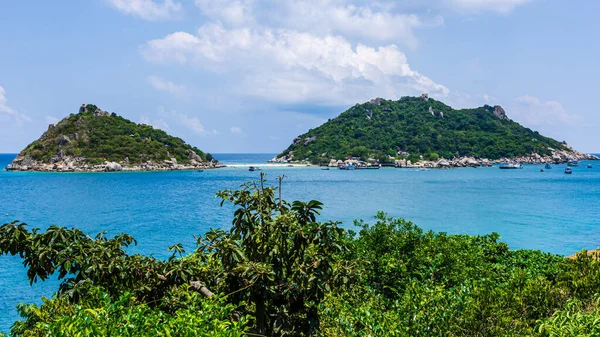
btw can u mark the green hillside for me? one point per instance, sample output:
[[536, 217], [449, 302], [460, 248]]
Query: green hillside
[[99, 136], [418, 126]]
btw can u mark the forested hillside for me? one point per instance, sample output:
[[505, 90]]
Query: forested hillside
[[415, 126], [93, 136]]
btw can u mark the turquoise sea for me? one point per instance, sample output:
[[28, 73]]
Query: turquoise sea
[[550, 211]]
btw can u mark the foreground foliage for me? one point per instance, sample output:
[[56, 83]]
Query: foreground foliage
[[378, 131], [280, 272]]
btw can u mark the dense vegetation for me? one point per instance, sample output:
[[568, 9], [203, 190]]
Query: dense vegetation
[[280, 272], [110, 137], [382, 128]]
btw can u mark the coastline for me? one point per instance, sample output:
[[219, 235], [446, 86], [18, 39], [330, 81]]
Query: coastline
[[72, 166], [557, 157], [123, 169]]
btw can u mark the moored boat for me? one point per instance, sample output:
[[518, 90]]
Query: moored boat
[[346, 167], [568, 170], [589, 166], [508, 166], [573, 163], [325, 168], [254, 168], [548, 166]]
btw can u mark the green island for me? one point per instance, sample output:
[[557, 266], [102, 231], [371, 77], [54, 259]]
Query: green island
[[421, 129], [281, 271], [96, 140]]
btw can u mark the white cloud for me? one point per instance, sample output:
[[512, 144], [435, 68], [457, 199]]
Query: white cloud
[[191, 123], [8, 113], [289, 66], [156, 123], [234, 12], [163, 85], [148, 9], [369, 21], [533, 112], [51, 120], [489, 99], [236, 130], [499, 6]]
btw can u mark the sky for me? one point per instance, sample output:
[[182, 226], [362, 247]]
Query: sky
[[250, 75]]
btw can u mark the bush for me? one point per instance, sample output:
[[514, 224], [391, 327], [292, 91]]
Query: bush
[[279, 272]]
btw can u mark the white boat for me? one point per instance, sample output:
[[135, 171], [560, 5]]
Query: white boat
[[514, 166], [573, 163], [568, 170], [589, 166]]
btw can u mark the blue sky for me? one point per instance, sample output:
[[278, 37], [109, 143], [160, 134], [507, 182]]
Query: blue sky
[[250, 75]]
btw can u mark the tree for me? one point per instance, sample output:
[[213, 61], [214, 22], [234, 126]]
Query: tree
[[278, 256]]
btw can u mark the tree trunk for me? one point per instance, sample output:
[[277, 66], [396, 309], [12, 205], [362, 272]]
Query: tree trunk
[[261, 314]]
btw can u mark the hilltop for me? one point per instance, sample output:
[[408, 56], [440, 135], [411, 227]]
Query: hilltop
[[96, 140], [421, 129]]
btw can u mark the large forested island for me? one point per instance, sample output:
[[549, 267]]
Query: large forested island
[[96, 140], [421, 131]]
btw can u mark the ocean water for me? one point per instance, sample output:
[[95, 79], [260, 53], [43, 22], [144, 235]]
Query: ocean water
[[550, 211]]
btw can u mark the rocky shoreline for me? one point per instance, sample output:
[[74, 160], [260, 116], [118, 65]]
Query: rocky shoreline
[[557, 157], [78, 164]]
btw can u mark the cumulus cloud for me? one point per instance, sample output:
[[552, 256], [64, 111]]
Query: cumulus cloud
[[236, 130], [322, 17], [499, 6], [148, 9], [289, 65], [8, 113], [163, 85]]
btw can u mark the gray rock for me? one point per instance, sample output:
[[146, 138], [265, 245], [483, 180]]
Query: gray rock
[[499, 112], [194, 156], [309, 139], [376, 101], [63, 140], [112, 167], [442, 163]]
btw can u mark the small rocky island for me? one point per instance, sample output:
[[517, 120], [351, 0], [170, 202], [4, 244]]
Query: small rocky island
[[417, 132], [94, 140]]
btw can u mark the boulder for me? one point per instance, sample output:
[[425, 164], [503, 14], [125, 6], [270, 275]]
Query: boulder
[[499, 112], [376, 101], [472, 162], [309, 139], [194, 156], [112, 167], [442, 163]]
